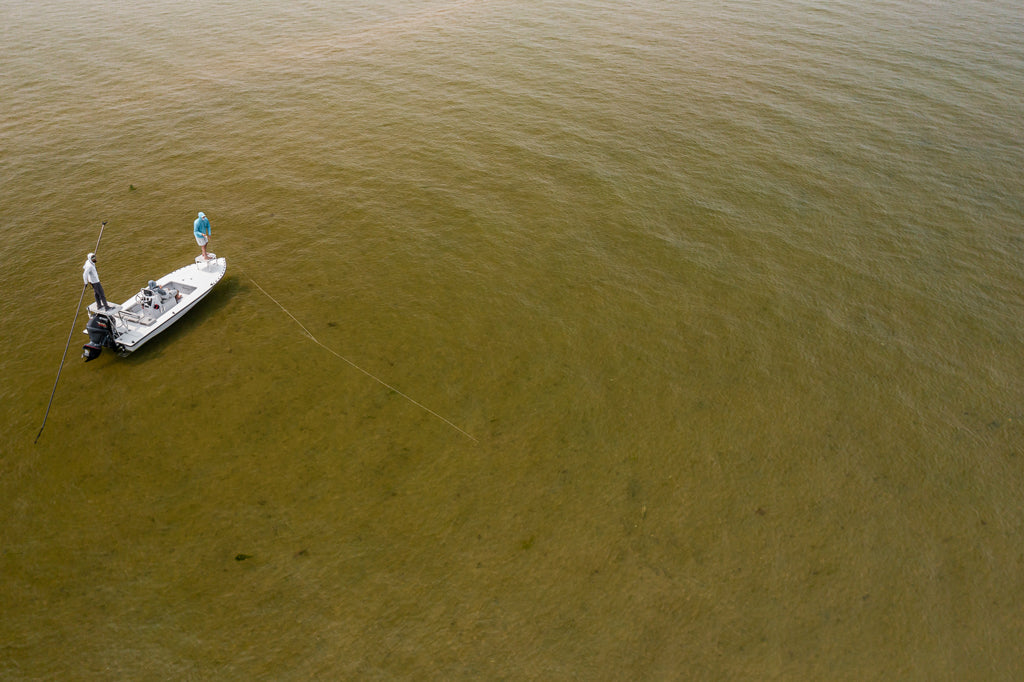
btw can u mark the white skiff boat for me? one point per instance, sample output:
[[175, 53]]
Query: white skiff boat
[[126, 327]]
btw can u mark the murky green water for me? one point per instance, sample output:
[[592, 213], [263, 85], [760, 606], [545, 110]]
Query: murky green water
[[725, 297]]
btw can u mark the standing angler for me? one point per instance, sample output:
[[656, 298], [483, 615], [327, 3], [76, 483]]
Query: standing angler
[[90, 276], [201, 230]]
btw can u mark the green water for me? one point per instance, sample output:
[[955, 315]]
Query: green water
[[661, 341]]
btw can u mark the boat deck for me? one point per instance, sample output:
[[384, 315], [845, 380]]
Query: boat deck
[[147, 313]]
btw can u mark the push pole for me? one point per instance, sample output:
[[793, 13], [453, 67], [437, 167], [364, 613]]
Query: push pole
[[74, 323]]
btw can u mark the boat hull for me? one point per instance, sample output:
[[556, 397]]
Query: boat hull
[[141, 318]]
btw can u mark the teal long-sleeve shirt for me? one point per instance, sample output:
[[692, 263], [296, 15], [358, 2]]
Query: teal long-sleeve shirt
[[201, 227]]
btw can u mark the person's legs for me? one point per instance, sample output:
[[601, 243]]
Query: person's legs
[[101, 297]]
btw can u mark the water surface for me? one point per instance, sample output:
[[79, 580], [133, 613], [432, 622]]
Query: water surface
[[723, 301]]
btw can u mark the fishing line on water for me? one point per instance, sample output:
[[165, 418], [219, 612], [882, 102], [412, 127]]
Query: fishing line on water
[[354, 365]]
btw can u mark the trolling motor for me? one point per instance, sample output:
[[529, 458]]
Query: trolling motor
[[101, 333]]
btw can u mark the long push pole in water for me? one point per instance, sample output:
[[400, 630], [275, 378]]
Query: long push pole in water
[[74, 323]]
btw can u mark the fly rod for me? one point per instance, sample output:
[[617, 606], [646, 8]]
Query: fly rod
[[74, 323]]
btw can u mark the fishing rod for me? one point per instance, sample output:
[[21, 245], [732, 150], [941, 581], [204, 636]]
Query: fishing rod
[[74, 323]]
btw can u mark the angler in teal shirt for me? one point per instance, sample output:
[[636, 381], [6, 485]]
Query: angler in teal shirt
[[201, 230]]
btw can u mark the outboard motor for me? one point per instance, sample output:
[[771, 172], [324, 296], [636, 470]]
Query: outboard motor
[[101, 333]]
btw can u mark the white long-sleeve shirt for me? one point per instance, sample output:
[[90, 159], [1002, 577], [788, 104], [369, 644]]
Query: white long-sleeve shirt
[[89, 274]]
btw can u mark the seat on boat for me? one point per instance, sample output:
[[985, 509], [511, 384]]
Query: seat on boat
[[168, 297], [150, 304]]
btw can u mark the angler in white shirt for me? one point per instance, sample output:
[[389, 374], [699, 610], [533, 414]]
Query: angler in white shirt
[[90, 276]]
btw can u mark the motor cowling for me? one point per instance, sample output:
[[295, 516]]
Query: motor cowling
[[100, 329]]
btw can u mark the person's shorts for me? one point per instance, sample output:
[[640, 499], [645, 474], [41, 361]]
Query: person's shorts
[[202, 239]]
